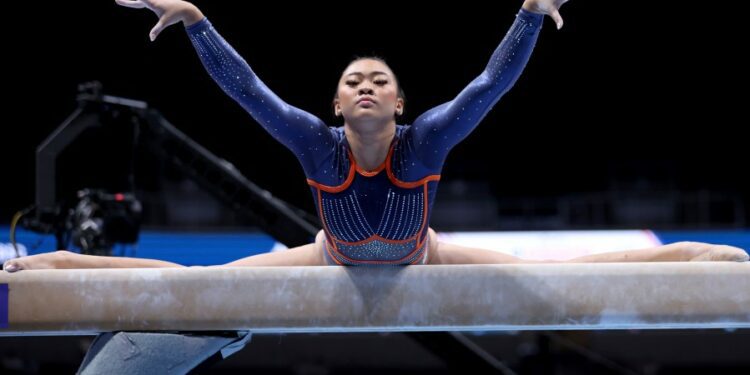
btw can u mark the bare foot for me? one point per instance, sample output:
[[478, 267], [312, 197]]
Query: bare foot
[[34, 262], [714, 253]]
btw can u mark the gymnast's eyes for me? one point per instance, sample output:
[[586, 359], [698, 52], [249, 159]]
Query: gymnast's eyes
[[381, 82], [352, 83]]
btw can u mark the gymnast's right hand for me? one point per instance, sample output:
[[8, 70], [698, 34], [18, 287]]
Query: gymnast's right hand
[[169, 12]]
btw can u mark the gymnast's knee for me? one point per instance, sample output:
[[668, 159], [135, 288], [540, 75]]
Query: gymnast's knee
[[320, 236]]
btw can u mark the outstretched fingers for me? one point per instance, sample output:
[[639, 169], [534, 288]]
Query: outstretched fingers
[[157, 29], [555, 14]]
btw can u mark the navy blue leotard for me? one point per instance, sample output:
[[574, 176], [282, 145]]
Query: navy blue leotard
[[377, 217]]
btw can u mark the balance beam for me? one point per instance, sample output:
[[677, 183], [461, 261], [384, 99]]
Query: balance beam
[[369, 299]]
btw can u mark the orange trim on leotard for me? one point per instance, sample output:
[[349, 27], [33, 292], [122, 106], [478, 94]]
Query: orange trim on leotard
[[334, 189], [424, 217], [404, 184], [354, 168], [326, 231], [367, 173], [374, 261], [333, 240]]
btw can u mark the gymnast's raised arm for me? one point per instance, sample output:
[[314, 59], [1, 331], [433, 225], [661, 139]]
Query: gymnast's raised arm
[[436, 131], [303, 133]]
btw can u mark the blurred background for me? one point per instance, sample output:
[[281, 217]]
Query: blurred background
[[629, 118]]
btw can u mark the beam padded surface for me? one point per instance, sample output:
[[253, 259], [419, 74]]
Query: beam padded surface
[[349, 299]]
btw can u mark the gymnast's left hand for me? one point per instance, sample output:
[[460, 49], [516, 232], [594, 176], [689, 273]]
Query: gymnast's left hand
[[548, 7], [169, 12]]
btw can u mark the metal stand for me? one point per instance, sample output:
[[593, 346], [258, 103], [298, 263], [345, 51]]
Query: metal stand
[[158, 353]]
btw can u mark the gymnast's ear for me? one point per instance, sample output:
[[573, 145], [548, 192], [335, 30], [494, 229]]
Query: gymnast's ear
[[336, 107]]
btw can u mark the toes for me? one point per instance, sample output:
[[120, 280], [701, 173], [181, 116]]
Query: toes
[[728, 253], [11, 266], [732, 253], [722, 253], [743, 257]]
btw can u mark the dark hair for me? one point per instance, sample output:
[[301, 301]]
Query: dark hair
[[401, 93]]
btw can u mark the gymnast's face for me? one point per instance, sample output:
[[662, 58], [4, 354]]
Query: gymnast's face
[[368, 90]]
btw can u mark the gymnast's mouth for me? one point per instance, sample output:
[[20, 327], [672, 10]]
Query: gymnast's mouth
[[366, 100]]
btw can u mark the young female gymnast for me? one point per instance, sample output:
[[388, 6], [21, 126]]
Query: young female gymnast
[[373, 181]]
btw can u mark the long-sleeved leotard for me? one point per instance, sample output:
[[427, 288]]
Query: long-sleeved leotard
[[377, 217]]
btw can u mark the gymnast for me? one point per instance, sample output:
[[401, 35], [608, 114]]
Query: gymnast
[[373, 181]]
